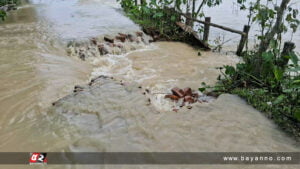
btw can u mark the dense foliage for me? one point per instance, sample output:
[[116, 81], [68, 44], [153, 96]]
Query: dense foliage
[[269, 77], [4, 3], [161, 15], [154, 16]]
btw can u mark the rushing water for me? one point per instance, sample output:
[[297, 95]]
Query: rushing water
[[36, 71]]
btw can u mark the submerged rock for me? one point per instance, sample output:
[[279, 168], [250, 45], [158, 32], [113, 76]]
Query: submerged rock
[[103, 49], [94, 41], [121, 38], [108, 39], [139, 34]]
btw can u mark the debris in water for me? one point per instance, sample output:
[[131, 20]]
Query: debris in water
[[102, 49], [213, 94], [149, 102], [110, 40], [139, 34], [122, 34], [94, 41], [178, 92], [78, 87], [172, 97], [187, 91], [112, 44], [189, 99], [186, 97], [131, 38], [121, 38]]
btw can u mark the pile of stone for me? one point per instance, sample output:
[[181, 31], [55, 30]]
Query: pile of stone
[[119, 44], [115, 42], [186, 95]]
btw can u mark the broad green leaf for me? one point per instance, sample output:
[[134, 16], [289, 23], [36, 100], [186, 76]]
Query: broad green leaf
[[278, 73], [279, 99], [297, 115], [294, 58]]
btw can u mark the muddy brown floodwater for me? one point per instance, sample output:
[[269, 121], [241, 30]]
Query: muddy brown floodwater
[[36, 71]]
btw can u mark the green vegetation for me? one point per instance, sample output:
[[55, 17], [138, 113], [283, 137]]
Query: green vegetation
[[2, 14], [269, 77], [158, 17], [155, 18], [5, 3]]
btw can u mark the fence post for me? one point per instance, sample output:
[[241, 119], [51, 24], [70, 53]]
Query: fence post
[[206, 29], [243, 40], [189, 21]]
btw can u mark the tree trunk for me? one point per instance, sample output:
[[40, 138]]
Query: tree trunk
[[264, 44], [199, 8], [193, 8], [276, 29]]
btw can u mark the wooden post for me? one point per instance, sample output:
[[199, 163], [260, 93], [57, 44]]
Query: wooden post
[[189, 21], [206, 29], [243, 40], [136, 2]]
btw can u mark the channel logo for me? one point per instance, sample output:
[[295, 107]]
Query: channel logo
[[38, 158]]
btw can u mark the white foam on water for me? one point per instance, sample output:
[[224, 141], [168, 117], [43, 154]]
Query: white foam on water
[[109, 65]]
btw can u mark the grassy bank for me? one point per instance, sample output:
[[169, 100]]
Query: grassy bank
[[158, 21], [274, 90], [280, 111]]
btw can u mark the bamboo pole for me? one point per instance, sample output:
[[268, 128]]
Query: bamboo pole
[[206, 29], [215, 25]]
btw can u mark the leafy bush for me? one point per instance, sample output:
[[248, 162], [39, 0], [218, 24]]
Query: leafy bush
[[153, 16], [275, 91], [162, 15], [2, 15], [269, 76], [6, 2]]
